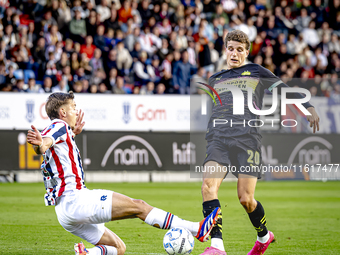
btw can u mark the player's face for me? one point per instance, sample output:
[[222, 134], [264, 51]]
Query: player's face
[[71, 113], [236, 54]]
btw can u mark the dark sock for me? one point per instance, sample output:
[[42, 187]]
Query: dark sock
[[208, 207], [258, 219]]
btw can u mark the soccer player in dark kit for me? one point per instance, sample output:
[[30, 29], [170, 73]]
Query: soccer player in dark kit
[[237, 143]]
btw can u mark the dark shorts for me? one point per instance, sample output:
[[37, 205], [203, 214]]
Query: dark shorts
[[241, 155]]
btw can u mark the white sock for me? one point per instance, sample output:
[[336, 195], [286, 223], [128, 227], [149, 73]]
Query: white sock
[[102, 250], [166, 220], [263, 239], [217, 243]]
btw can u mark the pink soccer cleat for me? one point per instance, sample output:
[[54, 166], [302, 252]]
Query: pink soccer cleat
[[80, 249], [213, 251], [259, 248], [207, 224]]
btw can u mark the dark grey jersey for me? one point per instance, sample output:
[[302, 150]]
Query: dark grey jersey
[[251, 76]]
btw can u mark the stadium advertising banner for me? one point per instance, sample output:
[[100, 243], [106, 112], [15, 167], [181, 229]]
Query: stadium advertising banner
[[102, 112], [169, 113], [303, 157]]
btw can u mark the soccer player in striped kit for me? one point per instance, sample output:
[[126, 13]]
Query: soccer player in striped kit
[[81, 211]]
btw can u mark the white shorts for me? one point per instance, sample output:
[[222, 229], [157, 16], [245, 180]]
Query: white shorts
[[84, 212]]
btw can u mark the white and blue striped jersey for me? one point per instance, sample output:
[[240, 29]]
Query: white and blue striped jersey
[[62, 167]]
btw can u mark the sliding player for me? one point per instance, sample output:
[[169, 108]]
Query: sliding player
[[81, 211]]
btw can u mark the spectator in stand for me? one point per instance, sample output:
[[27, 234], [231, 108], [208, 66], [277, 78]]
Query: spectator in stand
[[112, 21], [145, 11], [124, 59], [310, 36], [51, 68], [157, 69], [96, 62], [111, 61], [143, 72], [91, 23], [164, 50], [64, 61], [155, 14], [103, 10], [10, 78], [88, 47], [68, 47], [78, 87], [67, 76], [125, 12], [334, 44], [22, 54], [109, 38], [194, 82], [148, 89], [33, 87], [61, 87], [53, 36], [131, 39], [77, 27], [85, 63], [146, 41], [119, 87], [182, 73], [160, 89], [111, 80], [103, 89], [98, 77], [99, 39], [47, 86], [64, 16]]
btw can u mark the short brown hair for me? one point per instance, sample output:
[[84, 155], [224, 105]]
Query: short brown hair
[[55, 101], [238, 36]]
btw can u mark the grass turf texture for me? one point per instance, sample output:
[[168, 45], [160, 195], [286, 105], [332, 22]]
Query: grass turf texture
[[304, 217]]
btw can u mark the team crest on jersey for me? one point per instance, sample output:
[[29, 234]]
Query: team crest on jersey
[[246, 73], [103, 198], [49, 128]]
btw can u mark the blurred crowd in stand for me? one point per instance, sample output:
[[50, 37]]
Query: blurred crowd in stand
[[157, 47]]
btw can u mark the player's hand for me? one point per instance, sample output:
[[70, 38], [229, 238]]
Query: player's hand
[[34, 136], [313, 119], [79, 123]]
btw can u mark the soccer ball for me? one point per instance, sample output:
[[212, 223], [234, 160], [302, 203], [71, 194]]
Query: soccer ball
[[178, 241]]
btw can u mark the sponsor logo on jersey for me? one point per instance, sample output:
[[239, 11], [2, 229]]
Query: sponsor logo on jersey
[[103, 198], [246, 73]]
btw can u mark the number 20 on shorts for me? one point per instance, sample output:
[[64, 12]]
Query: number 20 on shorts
[[253, 157]]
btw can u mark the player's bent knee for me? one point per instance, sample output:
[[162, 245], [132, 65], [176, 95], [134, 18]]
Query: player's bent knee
[[143, 207], [121, 249], [248, 203]]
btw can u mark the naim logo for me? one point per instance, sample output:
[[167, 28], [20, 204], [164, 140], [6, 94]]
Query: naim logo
[[238, 100], [131, 156]]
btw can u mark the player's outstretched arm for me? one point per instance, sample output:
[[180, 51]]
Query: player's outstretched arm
[[40, 144], [313, 119], [78, 128]]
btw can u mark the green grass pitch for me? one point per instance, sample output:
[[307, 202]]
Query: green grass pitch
[[304, 216]]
